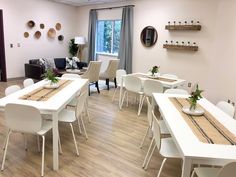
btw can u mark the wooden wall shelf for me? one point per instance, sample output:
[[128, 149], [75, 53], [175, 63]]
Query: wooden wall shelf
[[183, 27], [180, 47]]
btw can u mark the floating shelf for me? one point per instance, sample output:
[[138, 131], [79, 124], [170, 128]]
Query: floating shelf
[[180, 47], [183, 27]]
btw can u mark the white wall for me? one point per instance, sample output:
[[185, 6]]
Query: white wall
[[17, 13], [212, 66]]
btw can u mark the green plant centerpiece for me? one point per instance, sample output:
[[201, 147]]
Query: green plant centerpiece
[[49, 75], [195, 96], [73, 48], [154, 69]]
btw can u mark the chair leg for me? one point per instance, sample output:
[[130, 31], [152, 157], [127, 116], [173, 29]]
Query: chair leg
[[141, 99], [107, 83], [79, 127], [115, 82], [87, 112], [4, 144], [123, 99], [193, 173], [73, 134], [25, 141], [145, 159], [5, 149], [141, 145], [38, 143], [82, 122], [43, 153], [127, 100], [150, 156], [59, 143], [96, 84], [114, 94], [162, 165], [89, 89]]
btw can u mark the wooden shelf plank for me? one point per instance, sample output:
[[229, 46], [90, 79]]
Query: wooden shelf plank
[[183, 27], [180, 47]]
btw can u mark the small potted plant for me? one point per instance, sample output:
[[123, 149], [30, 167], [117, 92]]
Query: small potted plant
[[155, 70], [50, 76]]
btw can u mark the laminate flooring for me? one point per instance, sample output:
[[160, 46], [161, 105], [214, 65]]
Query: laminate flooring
[[112, 149]]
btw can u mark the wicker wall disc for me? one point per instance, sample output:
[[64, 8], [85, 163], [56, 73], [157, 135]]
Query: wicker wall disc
[[51, 33], [58, 26], [60, 38], [42, 26], [26, 34], [37, 34], [31, 23]]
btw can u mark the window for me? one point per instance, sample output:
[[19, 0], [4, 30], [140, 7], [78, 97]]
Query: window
[[108, 36]]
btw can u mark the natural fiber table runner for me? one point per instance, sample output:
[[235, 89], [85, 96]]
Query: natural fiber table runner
[[205, 127], [157, 78], [43, 94]]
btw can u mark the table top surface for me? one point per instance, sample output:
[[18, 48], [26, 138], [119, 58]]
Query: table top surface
[[187, 143], [55, 103]]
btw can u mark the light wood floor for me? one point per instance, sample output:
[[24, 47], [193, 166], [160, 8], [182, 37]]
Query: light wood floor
[[112, 149]]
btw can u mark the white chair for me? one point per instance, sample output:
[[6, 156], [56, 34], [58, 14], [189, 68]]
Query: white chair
[[165, 146], [226, 107], [11, 89], [133, 85], [119, 74], [28, 82], [70, 75], [149, 87], [25, 119], [171, 76], [176, 91], [71, 116], [164, 129], [110, 72], [228, 170], [92, 73]]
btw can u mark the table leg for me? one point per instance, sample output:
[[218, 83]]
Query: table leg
[[186, 168], [55, 140], [121, 90]]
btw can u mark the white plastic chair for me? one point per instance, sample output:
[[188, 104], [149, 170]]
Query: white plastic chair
[[134, 85], [164, 129], [11, 89], [165, 146], [25, 119], [69, 75], [228, 170], [171, 76], [28, 82], [176, 91], [149, 87], [226, 107], [119, 74]]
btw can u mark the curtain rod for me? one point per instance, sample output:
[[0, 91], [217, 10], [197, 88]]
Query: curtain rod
[[114, 7]]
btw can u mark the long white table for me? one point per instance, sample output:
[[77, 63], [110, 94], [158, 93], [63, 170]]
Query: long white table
[[52, 106], [166, 84], [191, 149]]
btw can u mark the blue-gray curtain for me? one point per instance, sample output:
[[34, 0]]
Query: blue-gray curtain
[[126, 40], [92, 35]]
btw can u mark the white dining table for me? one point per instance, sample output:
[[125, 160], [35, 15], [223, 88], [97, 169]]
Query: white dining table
[[191, 149], [52, 106], [176, 83]]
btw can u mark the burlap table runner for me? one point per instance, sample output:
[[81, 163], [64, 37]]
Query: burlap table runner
[[205, 127], [43, 94], [156, 78]]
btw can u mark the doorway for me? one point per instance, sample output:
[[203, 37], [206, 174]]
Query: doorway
[[3, 74]]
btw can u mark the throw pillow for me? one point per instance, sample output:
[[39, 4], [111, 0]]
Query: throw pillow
[[71, 64]]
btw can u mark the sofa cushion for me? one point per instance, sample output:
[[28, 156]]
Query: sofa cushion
[[71, 63], [60, 63]]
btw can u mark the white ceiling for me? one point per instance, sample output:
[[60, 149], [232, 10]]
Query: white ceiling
[[86, 2]]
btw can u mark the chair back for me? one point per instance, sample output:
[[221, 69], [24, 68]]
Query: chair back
[[133, 84], [112, 68], [149, 112], [228, 170], [23, 118], [156, 131], [152, 86], [177, 91], [70, 75], [81, 103], [28, 82], [226, 107], [92, 72], [119, 74], [171, 76], [11, 89]]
